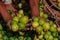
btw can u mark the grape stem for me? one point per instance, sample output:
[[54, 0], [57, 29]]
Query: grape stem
[[55, 14]]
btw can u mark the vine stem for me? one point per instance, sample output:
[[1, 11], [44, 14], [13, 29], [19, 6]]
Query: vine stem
[[52, 11], [34, 7]]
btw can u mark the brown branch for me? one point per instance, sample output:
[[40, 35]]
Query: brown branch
[[34, 7]]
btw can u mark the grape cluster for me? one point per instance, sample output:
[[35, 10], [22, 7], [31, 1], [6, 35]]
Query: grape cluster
[[45, 28]]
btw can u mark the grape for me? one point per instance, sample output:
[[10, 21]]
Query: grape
[[58, 29], [35, 19], [41, 21], [58, 1], [46, 26], [5, 38], [45, 16], [35, 24], [15, 18], [28, 38], [39, 29], [1, 27], [21, 38], [21, 12], [21, 25], [50, 22], [24, 19], [14, 27], [20, 5], [12, 38], [59, 5]]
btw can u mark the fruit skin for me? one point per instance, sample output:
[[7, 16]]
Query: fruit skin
[[41, 14], [35, 24], [21, 25], [40, 36], [55, 38], [12, 38], [59, 4], [13, 22], [54, 25], [41, 10], [53, 34], [19, 15], [1, 27], [21, 12], [48, 33], [46, 36], [58, 1], [50, 22], [50, 37], [15, 18], [43, 39], [41, 21], [1, 36], [42, 32], [59, 37], [14, 27], [39, 29], [5, 38], [53, 28], [20, 38], [24, 19], [16, 38], [21, 33], [46, 26], [58, 29], [45, 16], [35, 19], [41, 5], [2, 32], [1, 39], [35, 37], [20, 5], [27, 38]]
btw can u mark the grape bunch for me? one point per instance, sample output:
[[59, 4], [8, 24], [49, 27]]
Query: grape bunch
[[45, 28], [20, 20]]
